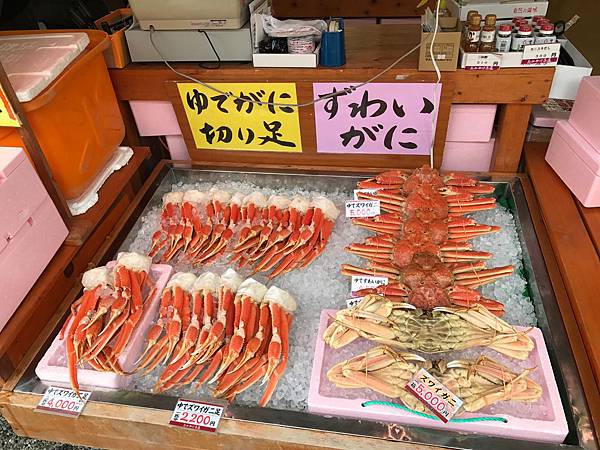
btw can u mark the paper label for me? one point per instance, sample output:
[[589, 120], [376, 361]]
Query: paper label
[[366, 282], [364, 191], [197, 415], [434, 395], [63, 401], [362, 208], [540, 54], [482, 61], [353, 301]]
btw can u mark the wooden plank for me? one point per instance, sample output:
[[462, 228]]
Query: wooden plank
[[591, 217], [83, 225], [573, 247], [342, 8], [309, 155], [512, 126], [116, 426], [590, 386]]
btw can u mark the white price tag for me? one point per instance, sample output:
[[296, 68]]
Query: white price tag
[[362, 208], [364, 191], [197, 415], [353, 301], [63, 401], [540, 54], [365, 282], [483, 61], [438, 398]]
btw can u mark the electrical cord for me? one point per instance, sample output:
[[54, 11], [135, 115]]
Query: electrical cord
[[218, 65], [437, 83]]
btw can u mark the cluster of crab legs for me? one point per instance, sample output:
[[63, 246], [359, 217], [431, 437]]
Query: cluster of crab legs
[[275, 234], [221, 330], [422, 241], [103, 319]]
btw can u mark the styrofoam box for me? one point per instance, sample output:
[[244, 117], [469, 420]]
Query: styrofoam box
[[502, 9], [52, 367], [585, 116], [31, 230], [325, 398], [540, 117], [178, 148], [154, 118], [471, 123], [507, 59], [576, 162], [567, 78], [308, 60], [468, 156], [53, 52]]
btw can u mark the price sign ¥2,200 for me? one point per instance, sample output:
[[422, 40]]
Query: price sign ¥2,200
[[197, 415]]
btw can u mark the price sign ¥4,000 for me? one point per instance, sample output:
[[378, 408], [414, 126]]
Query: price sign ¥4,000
[[197, 415], [63, 401]]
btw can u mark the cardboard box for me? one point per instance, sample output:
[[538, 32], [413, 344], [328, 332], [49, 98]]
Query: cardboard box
[[567, 78], [445, 49], [502, 9]]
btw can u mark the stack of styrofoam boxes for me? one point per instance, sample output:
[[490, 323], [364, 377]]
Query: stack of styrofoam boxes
[[156, 118], [31, 229], [469, 141], [574, 150]]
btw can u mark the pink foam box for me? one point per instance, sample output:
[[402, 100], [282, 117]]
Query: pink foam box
[[468, 156], [584, 116], [154, 118], [177, 148], [31, 230], [542, 421], [52, 367], [471, 123], [576, 162]]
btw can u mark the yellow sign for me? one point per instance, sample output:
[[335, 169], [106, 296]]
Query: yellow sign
[[223, 122], [8, 117]]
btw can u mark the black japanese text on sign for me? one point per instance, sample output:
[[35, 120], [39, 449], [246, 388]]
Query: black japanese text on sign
[[224, 122]]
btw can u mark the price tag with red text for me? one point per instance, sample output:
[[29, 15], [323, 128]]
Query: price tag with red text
[[63, 401], [362, 208], [434, 395], [197, 415], [364, 191]]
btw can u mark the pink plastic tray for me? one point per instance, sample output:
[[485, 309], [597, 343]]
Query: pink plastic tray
[[546, 424], [52, 367]]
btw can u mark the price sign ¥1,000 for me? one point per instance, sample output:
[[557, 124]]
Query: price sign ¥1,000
[[197, 415], [63, 401], [442, 402]]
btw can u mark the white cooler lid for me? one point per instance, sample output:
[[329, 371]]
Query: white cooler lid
[[33, 61]]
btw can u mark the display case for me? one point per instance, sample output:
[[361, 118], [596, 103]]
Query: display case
[[287, 420]]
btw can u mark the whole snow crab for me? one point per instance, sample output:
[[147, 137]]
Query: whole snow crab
[[444, 329], [478, 383]]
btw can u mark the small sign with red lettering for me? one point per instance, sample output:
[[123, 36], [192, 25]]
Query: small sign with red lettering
[[362, 208], [434, 395], [63, 401], [197, 415]]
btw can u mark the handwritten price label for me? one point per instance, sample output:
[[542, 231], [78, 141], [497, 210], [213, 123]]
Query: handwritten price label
[[197, 415], [433, 394], [364, 191], [364, 282], [540, 54], [63, 401], [352, 302], [362, 208], [482, 61]]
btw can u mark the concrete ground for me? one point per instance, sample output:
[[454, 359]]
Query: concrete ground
[[10, 441]]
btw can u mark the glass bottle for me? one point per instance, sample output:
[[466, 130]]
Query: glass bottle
[[503, 39], [488, 34], [465, 29], [546, 34], [524, 37], [474, 34]]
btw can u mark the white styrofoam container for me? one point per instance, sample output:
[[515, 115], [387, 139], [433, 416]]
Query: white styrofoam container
[[53, 52], [508, 59], [502, 9], [567, 78], [308, 60]]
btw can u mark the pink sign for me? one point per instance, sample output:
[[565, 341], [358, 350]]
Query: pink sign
[[379, 118]]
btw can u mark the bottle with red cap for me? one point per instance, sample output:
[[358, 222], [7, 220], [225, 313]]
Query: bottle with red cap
[[503, 38], [524, 37], [546, 34]]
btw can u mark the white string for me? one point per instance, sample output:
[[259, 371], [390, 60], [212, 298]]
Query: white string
[[439, 78], [344, 91]]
